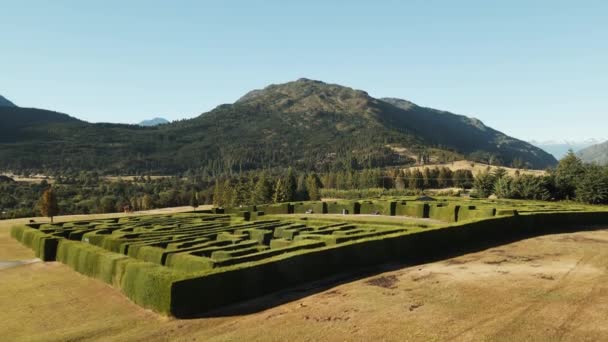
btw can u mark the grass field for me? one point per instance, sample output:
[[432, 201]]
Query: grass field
[[476, 167], [547, 288]]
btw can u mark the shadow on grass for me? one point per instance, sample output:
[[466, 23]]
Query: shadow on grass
[[307, 289]]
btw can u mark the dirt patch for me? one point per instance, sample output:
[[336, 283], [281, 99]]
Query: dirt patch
[[15, 263], [387, 282]]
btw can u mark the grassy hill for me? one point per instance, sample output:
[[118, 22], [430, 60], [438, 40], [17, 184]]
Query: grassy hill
[[306, 124], [595, 154]]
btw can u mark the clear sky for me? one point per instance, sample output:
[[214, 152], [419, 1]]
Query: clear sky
[[532, 69]]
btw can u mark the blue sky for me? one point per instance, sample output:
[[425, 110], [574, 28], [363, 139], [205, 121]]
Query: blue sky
[[532, 69]]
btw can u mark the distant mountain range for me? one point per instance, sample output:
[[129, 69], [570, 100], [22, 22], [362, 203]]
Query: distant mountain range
[[560, 148], [6, 103], [595, 154], [305, 124], [153, 122]]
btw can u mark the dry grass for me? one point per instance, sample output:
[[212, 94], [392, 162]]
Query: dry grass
[[476, 167], [549, 288]]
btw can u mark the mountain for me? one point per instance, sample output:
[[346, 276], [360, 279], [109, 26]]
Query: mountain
[[153, 122], [306, 124], [560, 148], [595, 154], [24, 124], [6, 103]]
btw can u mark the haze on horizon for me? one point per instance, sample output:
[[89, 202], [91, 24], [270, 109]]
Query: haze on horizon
[[535, 71]]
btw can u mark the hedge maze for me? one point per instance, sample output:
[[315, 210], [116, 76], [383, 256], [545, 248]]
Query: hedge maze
[[185, 264]]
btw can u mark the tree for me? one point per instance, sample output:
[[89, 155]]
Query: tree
[[291, 185], [426, 178], [48, 204], [194, 200], [567, 175], [593, 186], [484, 184], [302, 190], [262, 191], [503, 187], [313, 184], [147, 202], [218, 194], [399, 181], [499, 172], [531, 187], [416, 180], [463, 179], [280, 191]]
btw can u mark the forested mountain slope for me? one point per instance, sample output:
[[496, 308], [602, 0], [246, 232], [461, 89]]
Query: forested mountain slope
[[307, 124]]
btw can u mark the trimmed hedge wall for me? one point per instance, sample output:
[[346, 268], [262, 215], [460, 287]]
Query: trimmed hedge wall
[[316, 207], [338, 207], [444, 212], [419, 210], [241, 283], [276, 209], [380, 207], [470, 212]]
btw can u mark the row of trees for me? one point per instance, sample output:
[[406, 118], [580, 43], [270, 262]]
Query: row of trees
[[86, 192], [570, 180]]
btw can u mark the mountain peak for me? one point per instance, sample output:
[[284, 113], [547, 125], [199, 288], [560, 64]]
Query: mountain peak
[[4, 102], [306, 95]]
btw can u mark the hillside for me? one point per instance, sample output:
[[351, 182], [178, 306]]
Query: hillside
[[306, 124], [4, 102], [595, 154]]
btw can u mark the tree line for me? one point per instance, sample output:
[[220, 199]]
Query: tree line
[[570, 180]]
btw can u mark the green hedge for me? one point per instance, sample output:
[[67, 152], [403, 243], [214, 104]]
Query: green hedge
[[239, 210], [420, 210], [469, 212], [189, 263], [243, 282], [276, 209], [351, 207], [444, 212], [380, 207], [316, 207]]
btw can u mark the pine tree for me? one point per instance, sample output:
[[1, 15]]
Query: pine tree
[[313, 184], [228, 194], [262, 192], [399, 181], [218, 194], [291, 185], [426, 176], [567, 175], [302, 190], [48, 204], [194, 200], [280, 191]]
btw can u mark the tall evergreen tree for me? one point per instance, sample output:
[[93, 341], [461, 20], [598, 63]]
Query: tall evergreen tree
[[218, 194], [262, 192], [291, 185], [313, 184], [280, 191], [302, 190], [48, 204], [568, 173], [194, 200]]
